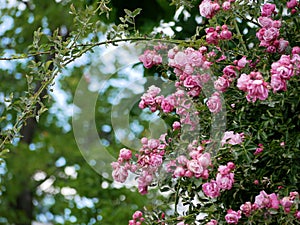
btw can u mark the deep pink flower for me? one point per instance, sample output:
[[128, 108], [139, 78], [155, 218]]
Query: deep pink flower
[[296, 50], [297, 214], [278, 83], [292, 4], [211, 189], [257, 90], [225, 35], [229, 71], [232, 217], [268, 9], [125, 154], [168, 104], [246, 208], [214, 103]]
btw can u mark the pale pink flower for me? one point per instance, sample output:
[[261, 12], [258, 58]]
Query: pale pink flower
[[211, 189], [120, 173], [243, 81], [179, 172], [241, 63], [214, 103], [150, 58], [212, 222], [204, 160], [232, 217], [195, 167], [231, 138], [278, 83], [168, 104], [222, 83], [226, 5], [225, 182], [265, 22], [263, 200], [208, 8]]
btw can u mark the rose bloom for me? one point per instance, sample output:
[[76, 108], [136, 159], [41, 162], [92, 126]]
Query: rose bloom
[[211, 189], [212, 222], [214, 103], [233, 216], [225, 181], [194, 166], [277, 83], [150, 58], [222, 83], [268, 9], [246, 208], [270, 34], [208, 8]]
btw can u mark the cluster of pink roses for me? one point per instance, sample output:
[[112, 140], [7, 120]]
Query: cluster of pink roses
[[269, 33], [209, 8], [284, 69], [213, 35], [149, 159], [224, 181], [196, 166], [254, 85], [137, 218], [271, 201]]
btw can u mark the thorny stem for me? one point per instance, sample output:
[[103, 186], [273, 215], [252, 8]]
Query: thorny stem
[[239, 35]]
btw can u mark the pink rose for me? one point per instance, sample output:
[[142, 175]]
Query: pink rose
[[270, 34], [233, 216], [208, 8], [211, 189], [268, 9], [226, 5], [212, 222], [225, 182], [257, 90], [168, 103], [246, 208], [291, 4], [214, 103], [265, 21], [243, 82], [194, 166], [120, 174], [277, 83], [125, 154], [222, 84], [225, 35], [150, 58]]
